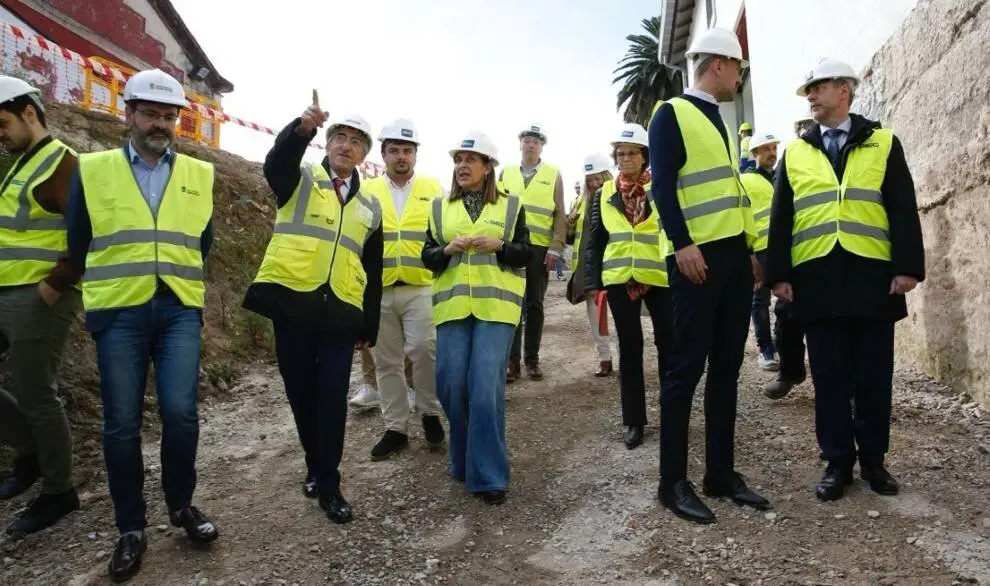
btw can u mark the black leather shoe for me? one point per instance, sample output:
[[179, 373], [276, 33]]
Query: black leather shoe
[[126, 559], [881, 482], [737, 491], [493, 497], [198, 528], [834, 482], [533, 371], [433, 429], [634, 436], [336, 507], [25, 473], [391, 443], [683, 502], [309, 486], [43, 512]]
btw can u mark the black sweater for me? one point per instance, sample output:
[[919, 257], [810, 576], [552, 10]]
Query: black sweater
[[320, 308], [842, 284]]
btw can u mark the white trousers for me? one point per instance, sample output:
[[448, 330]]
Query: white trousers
[[601, 342], [406, 329]]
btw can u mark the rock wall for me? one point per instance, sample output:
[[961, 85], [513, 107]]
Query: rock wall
[[931, 83]]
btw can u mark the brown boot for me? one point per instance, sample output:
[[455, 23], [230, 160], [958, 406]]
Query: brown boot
[[533, 371], [512, 372], [604, 368]]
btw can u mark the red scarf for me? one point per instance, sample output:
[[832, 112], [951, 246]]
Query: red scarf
[[634, 203]]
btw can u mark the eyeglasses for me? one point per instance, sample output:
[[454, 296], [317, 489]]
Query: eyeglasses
[[155, 116], [341, 138]]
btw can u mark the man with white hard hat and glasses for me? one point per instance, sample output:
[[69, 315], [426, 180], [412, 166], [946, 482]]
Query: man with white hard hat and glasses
[[321, 285], [38, 302], [712, 274], [846, 247], [140, 218], [406, 330], [541, 189]]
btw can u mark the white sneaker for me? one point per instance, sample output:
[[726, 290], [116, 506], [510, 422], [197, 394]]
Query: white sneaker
[[411, 399], [768, 361], [366, 398]]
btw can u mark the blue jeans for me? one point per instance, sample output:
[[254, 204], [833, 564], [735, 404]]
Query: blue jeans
[[316, 369], [471, 359], [761, 312], [167, 333]]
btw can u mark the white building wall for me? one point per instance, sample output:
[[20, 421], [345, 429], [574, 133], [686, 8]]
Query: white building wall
[[787, 37], [156, 27]]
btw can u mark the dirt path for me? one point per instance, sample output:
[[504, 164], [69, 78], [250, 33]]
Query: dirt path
[[581, 509]]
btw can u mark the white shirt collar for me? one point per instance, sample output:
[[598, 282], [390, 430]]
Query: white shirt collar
[[846, 126], [701, 95], [347, 180], [392, 184]]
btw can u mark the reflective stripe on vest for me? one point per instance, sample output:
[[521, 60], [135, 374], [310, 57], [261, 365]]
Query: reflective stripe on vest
[[317, 241], [131, 248], [474, 284], [405, 236], [537, 199], [708, 187], [760, 193], [32, 239], [633, 253], [850, 213]]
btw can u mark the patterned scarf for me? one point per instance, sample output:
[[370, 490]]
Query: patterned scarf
[[634, 203], [474, 203]]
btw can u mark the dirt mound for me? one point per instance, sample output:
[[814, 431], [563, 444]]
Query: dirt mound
[[242, 217]]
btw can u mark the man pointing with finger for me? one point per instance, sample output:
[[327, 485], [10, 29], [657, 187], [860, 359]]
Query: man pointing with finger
[[321, 285], [845, 246], [712, 273]]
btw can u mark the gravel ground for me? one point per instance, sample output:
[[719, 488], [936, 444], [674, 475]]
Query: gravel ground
[[581, 509]]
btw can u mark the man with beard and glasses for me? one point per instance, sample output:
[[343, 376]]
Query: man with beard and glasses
[[38, 303], [406, 332], [140, 219]]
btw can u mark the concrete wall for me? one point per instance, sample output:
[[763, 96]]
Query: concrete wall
[[929, 83], [155, 27]]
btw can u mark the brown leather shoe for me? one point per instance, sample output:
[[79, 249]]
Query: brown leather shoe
[[604, 368], [533, 371], [512, 372]]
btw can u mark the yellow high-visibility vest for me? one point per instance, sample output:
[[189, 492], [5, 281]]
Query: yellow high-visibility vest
[[131, 247], [316, 240], [744, 153], [474, 283], [760, 193], [578, 232], [827, 211], [32, 239], [405, 236], [636, 253], [537, 199], [708, 188]]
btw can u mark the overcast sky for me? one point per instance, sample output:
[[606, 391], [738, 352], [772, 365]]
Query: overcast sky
[[449, 65]]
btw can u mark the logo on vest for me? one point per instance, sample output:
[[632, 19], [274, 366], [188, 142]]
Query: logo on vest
[[498, 223], [189, 190], [870, 145]]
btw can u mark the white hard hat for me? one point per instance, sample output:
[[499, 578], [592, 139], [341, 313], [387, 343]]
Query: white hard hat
[[596, 163], [717, 41], [632, 134], [11, 87], [400, 129], [357, 123], [533, 129], [154, 85], [761, 139], [828, 68], [476, 142]]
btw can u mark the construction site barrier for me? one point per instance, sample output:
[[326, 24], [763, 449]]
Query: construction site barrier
[[97, 84]]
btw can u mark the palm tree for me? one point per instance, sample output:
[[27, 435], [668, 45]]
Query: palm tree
[[645, 80]]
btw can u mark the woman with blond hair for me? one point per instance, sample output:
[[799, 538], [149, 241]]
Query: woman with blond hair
[[596, 174], [476, 245]]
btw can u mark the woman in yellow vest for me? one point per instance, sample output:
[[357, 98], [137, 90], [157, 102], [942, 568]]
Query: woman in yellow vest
[[477, 244], [626, 256], [321, 285], [596, 174]]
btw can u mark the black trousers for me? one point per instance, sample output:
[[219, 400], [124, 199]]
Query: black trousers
[[789, 332], [316, 370], [711, 322], [629, 329], [537, 279], [852, 365]]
